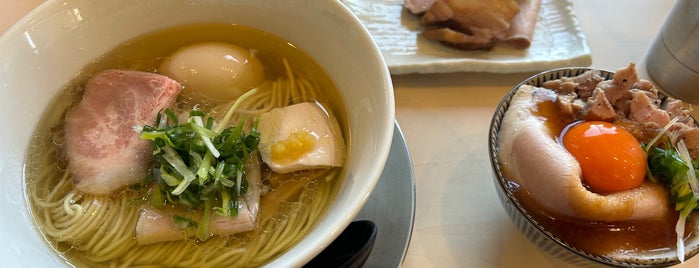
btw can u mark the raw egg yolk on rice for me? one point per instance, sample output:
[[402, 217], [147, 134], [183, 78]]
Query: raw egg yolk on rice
[[610, 157]]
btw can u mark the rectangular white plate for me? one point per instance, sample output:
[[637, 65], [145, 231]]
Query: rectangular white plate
[[558, 42]]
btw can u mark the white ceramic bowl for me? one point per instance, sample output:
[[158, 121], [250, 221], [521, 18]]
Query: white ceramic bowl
[[525, 221], [45, 49]]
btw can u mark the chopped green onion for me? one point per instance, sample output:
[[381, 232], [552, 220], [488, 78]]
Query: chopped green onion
[[691, 173], [200, 163], [176, 161], [169, 179], [660, 134], [675, 168], [206, 135], [203, 170], [226, 204], [238, 181], [203, 225], [218, 172], [172, 116], [158, 199], [182, 222]]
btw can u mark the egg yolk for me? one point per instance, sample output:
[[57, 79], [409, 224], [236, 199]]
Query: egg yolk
[[610, 157], [294, 147]]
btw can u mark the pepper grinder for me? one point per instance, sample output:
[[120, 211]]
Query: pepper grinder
[[673, 59]]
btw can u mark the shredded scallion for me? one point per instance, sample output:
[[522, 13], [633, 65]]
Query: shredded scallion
[[200, 163], [670, 163]]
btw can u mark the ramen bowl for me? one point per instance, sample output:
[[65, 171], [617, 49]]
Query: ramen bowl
[[530, 219], [47, 48]]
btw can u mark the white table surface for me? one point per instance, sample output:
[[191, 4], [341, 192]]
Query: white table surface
[[459, 221]]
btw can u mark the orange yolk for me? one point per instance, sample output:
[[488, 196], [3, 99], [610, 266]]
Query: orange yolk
[[610, 157]]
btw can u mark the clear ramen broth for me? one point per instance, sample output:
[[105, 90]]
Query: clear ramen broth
[[99, 231]]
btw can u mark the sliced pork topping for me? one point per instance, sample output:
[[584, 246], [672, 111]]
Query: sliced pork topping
[[625, 97], [599, 107], [675, 108], [521, 30], [582, 85], [418, 6], [105, 153], [459, 39], [157, 225], [485, 21], [171, 224], [474, 24], [644, 109]]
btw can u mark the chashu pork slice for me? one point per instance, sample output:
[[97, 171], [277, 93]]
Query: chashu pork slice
[[469, 24], [522, 26], [104, 151], [418, 6], [156, 225], [477, 24]]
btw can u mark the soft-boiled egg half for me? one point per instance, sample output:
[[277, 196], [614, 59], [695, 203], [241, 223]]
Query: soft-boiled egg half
[[611, 159], [300, 137], [214, 71]]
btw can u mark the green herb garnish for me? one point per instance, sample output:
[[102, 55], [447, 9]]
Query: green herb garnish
[[200, 163], [670, 164]]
